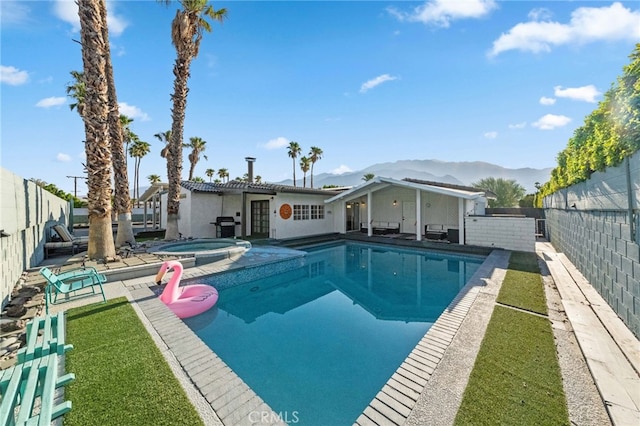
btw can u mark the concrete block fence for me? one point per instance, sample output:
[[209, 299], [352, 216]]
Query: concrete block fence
[[597, 225], [26, 213]]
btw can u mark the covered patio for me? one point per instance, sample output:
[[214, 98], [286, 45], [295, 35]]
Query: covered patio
[[420, 209]]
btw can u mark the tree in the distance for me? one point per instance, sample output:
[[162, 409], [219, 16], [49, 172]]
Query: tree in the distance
[[508, 191]]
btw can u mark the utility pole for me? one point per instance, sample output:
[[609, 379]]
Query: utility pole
[[75, 184]]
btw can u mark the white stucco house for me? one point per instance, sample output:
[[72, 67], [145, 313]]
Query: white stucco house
[[379, 206]]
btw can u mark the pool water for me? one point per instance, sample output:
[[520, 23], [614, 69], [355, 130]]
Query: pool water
[[317, 343]]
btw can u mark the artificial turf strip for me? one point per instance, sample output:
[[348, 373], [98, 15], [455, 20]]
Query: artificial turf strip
[[522, 286], [516, 379], [121, 376]]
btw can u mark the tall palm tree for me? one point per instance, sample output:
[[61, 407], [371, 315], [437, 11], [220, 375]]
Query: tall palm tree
[[154, 179], [210, 173], [223, 173], [95, 114], [314, 155], [305, 165], [197, 145], [166, 138], [77, 91], [294, 151], [127, 134], [187, 29], [138, 150]]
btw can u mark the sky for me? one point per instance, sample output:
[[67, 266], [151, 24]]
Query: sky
[[366, 81]]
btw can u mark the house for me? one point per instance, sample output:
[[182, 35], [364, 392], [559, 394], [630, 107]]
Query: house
[[379, 206], [243, 209]]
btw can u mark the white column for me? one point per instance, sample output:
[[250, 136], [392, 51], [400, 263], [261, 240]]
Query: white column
[[369, 202], [461, 202], [418, 215]]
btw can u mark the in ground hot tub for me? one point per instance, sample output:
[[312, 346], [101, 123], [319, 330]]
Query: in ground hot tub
[[205, 250]]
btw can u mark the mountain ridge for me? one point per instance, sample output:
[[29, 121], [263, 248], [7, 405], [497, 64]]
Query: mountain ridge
[[454, 172]]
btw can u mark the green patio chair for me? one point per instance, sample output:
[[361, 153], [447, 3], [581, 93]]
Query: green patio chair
[[71, 283]]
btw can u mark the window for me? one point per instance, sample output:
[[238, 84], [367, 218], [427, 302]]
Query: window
[[317, 212], [300, 212]]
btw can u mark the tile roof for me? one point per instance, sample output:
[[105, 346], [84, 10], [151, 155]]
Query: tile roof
[[238, 186]]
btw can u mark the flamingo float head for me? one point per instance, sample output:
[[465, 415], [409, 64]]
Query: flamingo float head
[[166, 267]]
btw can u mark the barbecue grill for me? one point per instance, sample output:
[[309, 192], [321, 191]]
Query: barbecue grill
[[225, 226]]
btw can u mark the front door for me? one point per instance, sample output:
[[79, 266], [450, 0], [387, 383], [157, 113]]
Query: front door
[[260, 218], [409, 217]]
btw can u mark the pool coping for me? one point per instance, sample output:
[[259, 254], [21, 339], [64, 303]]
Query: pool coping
[[235, 403]]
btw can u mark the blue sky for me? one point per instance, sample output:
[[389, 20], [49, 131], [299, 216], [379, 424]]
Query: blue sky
[[367, 82]]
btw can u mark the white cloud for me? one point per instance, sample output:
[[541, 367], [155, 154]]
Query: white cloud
[[51, 102], [518, 125], [547, 101], [368, 85], [551, 121], [584, 93], [441, 12], [491, 135], [132, 111], [63, 158], [276, 143], [342, 169], [587, 24], [540, 14], [67, 10], [13, 76], [13, 12]]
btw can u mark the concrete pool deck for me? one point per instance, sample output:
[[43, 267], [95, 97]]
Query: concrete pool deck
[[599, 357]]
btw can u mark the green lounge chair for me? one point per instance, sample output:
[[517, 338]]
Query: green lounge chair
[[70, 283]]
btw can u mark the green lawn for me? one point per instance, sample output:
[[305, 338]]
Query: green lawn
[[121, 376], [516, 378]]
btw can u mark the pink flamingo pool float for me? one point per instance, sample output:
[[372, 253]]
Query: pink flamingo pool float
[[185, 301]]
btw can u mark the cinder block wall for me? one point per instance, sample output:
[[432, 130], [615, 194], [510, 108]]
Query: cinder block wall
[[597, 225], [509, 233], [26, 213]]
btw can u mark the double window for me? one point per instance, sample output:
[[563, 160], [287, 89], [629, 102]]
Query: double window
[[306, 211]]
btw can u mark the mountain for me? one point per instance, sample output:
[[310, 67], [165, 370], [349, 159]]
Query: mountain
[[460, 173]]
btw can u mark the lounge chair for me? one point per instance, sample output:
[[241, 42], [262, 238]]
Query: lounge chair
[[66, 240], [69, 283]]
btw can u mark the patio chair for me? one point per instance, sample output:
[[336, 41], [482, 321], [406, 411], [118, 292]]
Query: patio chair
[[67, 240], [70, 283], [65, 235]]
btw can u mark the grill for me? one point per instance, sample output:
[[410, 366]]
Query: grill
[[225, 226]]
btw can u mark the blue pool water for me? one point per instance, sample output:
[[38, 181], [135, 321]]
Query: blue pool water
[[317, 342]]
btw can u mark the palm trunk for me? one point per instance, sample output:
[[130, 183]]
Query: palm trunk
[[294, 171], [98, 149], [312, 175], [174, 155], [120, 177]]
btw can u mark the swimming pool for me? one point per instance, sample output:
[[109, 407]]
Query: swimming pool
[[318, 341]]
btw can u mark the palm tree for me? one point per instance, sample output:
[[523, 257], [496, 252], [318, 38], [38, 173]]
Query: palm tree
[[166, 138], [77, 91], [138, 150], [294, 151], [305, 164], [257, 179], [223, 173], [210, 173], [197, 145], [368, 176], [127, 134], [314, 155], [197, 179], [154, 179], [95, 114], [187, 29]]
